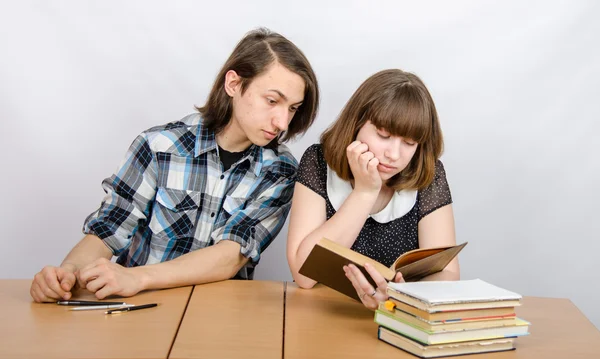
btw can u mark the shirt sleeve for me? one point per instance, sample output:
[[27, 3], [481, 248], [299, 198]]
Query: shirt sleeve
[[129, 194], [261, 217], [437, 194]]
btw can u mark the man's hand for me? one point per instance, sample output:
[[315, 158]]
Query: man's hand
[[105, 278], [53, 283]]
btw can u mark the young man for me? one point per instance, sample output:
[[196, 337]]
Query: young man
[[198, 200]]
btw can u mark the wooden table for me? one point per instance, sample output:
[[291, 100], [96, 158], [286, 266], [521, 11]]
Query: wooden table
[[321, 323], [233, 319], [333, 324], [558, 330], [34, 330], [250, 319]]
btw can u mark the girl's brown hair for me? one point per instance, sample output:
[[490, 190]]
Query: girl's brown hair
[[251, 57], [399, 103]]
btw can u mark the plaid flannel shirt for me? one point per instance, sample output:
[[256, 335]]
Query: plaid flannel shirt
[[170, 196]]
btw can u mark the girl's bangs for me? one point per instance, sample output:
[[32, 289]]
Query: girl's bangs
[[405, 115]]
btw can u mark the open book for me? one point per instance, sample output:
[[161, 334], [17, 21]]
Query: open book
[[325, 261]]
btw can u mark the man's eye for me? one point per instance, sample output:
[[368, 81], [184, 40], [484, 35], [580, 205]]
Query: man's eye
[[271, 101]]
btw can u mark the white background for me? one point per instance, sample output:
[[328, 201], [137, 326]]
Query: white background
[[515, 83]]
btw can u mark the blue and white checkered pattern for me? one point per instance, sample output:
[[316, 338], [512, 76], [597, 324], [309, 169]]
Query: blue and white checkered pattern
[[170, 196]]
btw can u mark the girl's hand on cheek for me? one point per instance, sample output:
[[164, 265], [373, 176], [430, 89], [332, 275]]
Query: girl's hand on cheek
[[363, 165]]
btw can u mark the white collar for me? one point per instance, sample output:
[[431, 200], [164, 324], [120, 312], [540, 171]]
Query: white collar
[[400, 204]]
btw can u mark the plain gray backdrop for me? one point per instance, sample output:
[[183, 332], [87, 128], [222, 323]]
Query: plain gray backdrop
[[515, 85]]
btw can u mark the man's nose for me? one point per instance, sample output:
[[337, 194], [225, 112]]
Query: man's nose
[[281, 119]]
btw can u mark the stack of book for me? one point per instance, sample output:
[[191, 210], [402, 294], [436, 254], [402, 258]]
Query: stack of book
[[437, 319]]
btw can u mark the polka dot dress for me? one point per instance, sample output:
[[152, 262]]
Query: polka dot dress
[[383, 242]]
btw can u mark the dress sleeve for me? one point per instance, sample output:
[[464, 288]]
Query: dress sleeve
[[437, 195], [312, 171]]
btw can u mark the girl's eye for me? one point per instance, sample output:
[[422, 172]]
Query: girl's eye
[[410, 143], [293, 109], [271, 101], [383, 135]]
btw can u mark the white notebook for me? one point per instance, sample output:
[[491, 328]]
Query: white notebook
[[475, 290]]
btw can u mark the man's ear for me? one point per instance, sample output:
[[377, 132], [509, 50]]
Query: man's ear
[[233, 82]]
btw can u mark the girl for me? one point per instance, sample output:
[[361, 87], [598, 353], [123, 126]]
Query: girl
[[375, 183]]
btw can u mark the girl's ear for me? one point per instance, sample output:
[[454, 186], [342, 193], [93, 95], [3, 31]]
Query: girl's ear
[[232, 82]]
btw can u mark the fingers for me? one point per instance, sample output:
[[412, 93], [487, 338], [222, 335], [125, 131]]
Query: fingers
[[360, 151], [95, 278], [38, 294], [355, 150], [80, 282], [52, 287], [40, 291], [101, 278], [369, 295], [66, 279], [363, 165], [361, 279], [88, 275], [105, 292], [364, 159], [351, 147], [377, 277], [93, 270], [46, 286], [372, 166], [354, 281], [399, 278], [96, 284], [350, 275]]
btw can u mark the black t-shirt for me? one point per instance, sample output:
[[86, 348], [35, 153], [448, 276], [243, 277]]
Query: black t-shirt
[[229, 158], [383, 242]]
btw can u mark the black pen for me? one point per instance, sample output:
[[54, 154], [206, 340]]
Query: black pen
[[87, 302], [128, 309]]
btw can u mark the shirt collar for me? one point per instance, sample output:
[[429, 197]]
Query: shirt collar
[[206, 141], [255, 156], [400, 204]]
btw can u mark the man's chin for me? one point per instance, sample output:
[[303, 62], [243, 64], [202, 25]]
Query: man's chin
[[263, 142]]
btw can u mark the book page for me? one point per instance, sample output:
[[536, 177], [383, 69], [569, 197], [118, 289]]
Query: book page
[[430, 261], [475, 290]]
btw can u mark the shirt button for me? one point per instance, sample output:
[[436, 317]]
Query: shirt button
[[222, 176], [212, 214]]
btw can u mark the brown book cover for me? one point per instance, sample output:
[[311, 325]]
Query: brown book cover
[[325, 261]]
